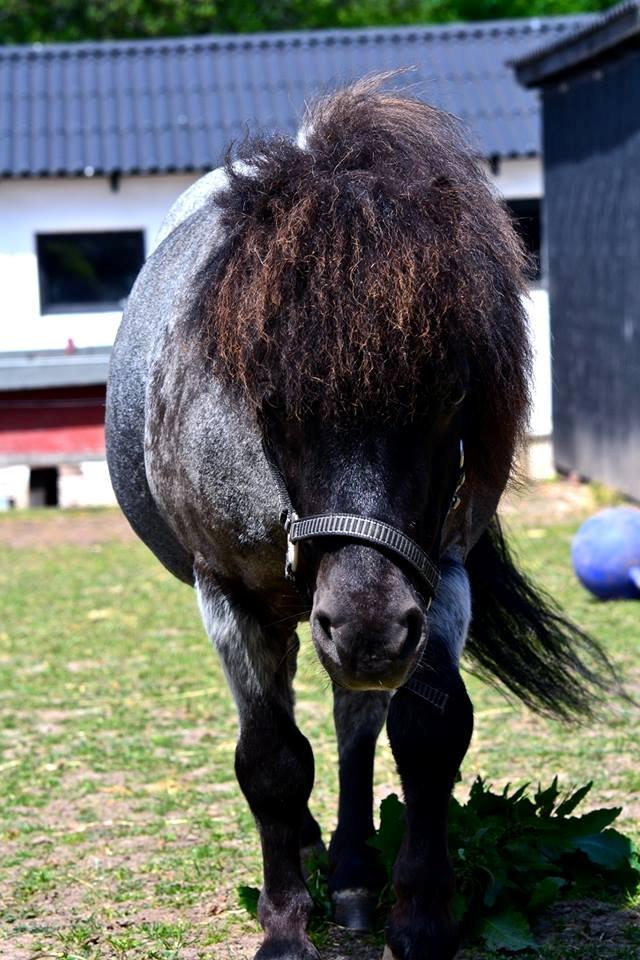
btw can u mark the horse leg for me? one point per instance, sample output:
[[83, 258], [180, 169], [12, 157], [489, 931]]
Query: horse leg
[[310, 835], [274, 766], [355, 873], [429, 724]]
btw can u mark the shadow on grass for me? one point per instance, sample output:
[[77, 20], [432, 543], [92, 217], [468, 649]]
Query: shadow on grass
[[570, 930]]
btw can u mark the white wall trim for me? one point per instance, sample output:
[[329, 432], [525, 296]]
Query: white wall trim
[[520, 178]]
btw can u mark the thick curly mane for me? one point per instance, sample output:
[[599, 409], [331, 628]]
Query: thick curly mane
[[369, 271]]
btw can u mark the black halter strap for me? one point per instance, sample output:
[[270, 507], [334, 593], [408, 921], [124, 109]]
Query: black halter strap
[[377, 532], [352, 527]]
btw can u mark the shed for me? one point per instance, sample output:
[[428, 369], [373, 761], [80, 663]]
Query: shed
[[590, 88]]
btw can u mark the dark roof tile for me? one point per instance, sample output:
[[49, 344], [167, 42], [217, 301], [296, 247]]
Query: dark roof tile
[[171, 105]]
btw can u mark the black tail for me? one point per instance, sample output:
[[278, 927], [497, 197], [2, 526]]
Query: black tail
[[519, 636]]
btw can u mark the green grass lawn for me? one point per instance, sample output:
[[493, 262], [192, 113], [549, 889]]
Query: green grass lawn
[[122, 830]]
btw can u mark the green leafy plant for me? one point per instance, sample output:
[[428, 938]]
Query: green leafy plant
[[514, 854]]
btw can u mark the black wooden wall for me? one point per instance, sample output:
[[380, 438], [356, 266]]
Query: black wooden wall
[[592, 226]]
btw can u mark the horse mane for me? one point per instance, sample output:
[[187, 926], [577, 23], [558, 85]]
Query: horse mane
[[369, 271]]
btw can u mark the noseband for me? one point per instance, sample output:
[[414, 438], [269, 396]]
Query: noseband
[[352, 527]]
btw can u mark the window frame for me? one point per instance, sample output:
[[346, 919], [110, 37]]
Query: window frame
[[47, 308]]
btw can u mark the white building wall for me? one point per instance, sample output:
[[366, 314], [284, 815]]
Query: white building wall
[[14, 487], [539, 465], [29, 207], [540, 424], [519, 179], [82, 484], [85, 484]]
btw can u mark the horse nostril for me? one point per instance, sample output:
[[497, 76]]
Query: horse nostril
[[324, 624], [413, 625]]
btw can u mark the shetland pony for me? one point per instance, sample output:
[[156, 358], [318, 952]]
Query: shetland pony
[[326, 360]]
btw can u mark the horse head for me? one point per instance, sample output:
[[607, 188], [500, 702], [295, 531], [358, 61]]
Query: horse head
[[369, 616]]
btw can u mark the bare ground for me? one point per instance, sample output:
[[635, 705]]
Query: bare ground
[[47, 528]]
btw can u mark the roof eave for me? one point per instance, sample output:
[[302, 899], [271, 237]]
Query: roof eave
[[37, 370], [512, 154], [544, 65]]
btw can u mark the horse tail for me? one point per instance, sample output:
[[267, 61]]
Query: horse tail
[[519, 637]]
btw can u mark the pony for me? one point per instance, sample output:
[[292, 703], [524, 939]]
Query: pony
[[315, 401]]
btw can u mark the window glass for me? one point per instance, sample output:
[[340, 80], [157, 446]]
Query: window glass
[[87, 271], [526, 218]]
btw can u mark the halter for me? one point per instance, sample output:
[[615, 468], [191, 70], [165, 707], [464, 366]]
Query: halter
[[352, 527]]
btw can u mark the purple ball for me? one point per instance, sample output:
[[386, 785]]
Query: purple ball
[[606, 553]]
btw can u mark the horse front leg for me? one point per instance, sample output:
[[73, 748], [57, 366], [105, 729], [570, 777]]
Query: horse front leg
[[356, 877], [430, 724], [274, 767]]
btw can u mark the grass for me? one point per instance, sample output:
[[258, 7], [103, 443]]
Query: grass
[[122, 829]]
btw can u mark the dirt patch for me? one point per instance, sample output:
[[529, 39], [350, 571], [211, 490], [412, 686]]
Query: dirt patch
[[595, 928], [76, 528], [550, 502]]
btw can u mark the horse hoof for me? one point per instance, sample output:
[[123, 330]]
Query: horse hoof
[[354, 909], [284, 949]]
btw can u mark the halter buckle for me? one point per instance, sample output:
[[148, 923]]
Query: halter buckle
[[287, 517], [291, 561]]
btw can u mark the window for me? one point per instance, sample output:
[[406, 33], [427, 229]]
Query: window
[[43, 487], [526, 218], [87, 271]]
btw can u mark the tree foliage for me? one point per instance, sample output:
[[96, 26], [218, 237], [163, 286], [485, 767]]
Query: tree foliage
[[30, 21]]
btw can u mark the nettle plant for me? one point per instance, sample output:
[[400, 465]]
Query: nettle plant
[[514, 854]]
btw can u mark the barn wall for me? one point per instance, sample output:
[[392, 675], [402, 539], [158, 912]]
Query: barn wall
[[592, 211], [14, 486], [60, 428], [48, 426]]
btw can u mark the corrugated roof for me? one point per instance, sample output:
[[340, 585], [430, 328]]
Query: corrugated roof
[[162, 106], [618, 25]]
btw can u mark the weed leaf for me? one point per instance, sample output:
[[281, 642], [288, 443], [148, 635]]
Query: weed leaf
[[545, 800], [508, 930], [248, 898], [513, 856], [609, 849], [568, 806], [390, 833], [545, 892]]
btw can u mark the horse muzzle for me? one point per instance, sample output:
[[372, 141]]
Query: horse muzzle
[[370, 647]]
